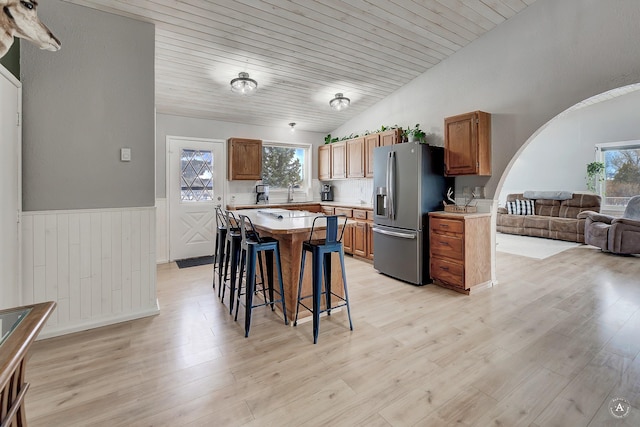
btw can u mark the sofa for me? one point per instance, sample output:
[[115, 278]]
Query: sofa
[[553, 215]]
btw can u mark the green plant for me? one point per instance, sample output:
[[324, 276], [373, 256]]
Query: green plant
[[414, 133], [329, 140], [595, 174]]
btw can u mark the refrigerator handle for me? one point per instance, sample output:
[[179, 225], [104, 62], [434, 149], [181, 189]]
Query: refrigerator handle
[[391, 171]]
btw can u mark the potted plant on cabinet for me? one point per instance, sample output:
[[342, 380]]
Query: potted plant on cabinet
[[413, 134]]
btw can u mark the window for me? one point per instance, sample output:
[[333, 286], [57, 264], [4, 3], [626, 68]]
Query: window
[[285, 164], [196, 177], [621, 172]]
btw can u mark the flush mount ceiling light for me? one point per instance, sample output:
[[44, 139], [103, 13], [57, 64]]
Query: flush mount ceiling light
[[293, 126], [243, 84], [340, 102]]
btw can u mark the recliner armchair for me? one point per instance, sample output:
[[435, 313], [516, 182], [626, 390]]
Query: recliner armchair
[[615, 235]]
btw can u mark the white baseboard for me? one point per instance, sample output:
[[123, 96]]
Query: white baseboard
[[97, 323]]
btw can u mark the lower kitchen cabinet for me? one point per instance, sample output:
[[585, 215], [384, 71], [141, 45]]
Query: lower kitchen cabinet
[[360, 239], [347, 239], [370, 241], [460, 250]]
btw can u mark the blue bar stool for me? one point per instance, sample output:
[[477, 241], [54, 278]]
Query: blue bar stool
[[252, 245], [231, 259], [321, 251], [218, 255]]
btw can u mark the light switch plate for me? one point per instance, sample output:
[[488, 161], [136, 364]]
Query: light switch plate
[[125, 154]]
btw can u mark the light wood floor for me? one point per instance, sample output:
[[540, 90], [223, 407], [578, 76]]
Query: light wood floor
[[551, 345]]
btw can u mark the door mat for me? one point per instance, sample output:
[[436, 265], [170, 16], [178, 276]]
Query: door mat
[[193, 262]]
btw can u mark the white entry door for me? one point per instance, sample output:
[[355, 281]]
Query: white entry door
[[10, 98], [195, 187]]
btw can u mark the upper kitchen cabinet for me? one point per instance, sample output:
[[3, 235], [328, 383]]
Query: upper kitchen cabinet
[[370, 142], [467, 143], [390, 137], [339, 160], [244, 159], [324, 162], [355, 158]]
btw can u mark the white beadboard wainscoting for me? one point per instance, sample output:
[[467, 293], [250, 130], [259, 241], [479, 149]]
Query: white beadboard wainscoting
[[99, 265], [162, 231]]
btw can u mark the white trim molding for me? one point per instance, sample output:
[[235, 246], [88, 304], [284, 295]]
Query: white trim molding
[[98, 265]]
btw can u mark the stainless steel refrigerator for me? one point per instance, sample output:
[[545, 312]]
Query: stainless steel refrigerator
[[408, 183]]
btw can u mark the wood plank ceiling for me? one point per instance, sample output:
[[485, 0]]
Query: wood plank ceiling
[[301, 52]]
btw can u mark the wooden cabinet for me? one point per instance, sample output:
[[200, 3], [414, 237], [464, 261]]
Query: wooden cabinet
[[339, 160], [390, 137], [347, 239], [370, 241], [360, 239], [460, 250], [328, 210], [467, 143], [355, 158], [244, 159], [324, 162], [370, 142], [347, 236]]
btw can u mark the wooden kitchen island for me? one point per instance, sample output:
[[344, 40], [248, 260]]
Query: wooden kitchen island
[[290, 231]]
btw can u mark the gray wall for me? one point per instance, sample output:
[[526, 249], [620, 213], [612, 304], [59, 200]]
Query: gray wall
[[201, 128], [81, 105], [11, 60], [556, 158], [549, 57]]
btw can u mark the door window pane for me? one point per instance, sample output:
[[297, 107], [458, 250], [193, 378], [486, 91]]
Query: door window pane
[[196, 175]]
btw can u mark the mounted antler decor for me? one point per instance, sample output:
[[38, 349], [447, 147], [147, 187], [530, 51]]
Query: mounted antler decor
[[19, 19]]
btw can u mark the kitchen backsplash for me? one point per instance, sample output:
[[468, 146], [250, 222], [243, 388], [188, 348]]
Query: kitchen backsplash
[[357, 191], [353, 190]]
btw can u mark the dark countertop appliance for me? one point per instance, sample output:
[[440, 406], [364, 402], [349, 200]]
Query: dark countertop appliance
[[262, 194], [326, 193], [408, 183]]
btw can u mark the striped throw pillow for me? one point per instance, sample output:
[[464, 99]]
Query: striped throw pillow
[[521, 207]]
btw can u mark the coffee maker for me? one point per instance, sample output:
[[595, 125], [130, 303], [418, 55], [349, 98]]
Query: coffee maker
[[262, 194], [326, 193]]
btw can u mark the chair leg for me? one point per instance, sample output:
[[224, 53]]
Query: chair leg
[[220, 258], [346, 292], [264, 292], [222, 286], [249, 290], [243, 259], [279, 267], [327, 281], [302, 259], [317, 290], [235, 254], [215, 262], [269, 259]]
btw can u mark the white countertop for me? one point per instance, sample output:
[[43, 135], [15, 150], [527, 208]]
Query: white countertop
[[290, 223], [353, 205]]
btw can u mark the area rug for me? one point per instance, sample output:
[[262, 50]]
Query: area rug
[[532, 247], [193, 262]]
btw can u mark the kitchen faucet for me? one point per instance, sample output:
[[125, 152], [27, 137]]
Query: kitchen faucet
[[290, 193]]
